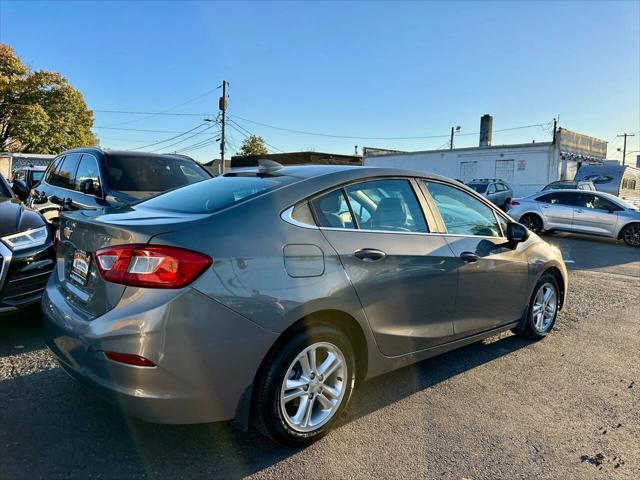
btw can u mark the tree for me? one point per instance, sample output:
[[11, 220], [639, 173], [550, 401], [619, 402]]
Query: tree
[[253, 145], [39, 111]]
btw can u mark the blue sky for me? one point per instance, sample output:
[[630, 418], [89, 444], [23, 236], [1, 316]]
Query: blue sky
[[372, 69]]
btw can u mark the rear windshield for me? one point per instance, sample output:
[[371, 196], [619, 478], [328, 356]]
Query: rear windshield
[[478, 187], [151, 174], [215, 194]]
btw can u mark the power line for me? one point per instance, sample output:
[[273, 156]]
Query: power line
[[169, 139], [163, 112], [124, 112], [180, 141], [356, 137], [139, 130], [250, 133]]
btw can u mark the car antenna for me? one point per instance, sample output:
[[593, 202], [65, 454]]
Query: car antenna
[[267, 166]]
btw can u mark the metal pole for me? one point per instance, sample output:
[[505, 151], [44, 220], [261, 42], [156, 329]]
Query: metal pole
[[223, 108]]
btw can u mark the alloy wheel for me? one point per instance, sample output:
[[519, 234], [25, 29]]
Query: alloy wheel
[[545, 307], [631, 235], [532, 222], [313, 387]]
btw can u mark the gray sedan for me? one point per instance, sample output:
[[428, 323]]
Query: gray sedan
[[579, 211], [266, 295]]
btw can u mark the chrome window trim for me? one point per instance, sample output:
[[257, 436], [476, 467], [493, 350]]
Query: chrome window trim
[[287, 216], [7, 255]]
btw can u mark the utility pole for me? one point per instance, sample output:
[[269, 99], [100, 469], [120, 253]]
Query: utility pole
[[451, 141], [624, 145], [222, 105]]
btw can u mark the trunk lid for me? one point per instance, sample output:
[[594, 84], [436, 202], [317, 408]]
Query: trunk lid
[[83, 233]]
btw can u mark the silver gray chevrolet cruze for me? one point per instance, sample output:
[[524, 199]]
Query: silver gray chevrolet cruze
[[265, 295]]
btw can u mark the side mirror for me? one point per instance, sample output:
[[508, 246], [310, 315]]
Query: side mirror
[[516, 232], [86, 186]]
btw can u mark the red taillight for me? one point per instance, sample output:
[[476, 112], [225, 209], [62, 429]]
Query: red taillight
[[514, 203], [153, 266], [129, 359]]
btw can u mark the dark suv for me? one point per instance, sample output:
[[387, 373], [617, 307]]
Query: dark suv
[[91, 178]]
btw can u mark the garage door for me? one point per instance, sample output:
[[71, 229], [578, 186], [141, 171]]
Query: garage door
[[468, 171], [504, 170]]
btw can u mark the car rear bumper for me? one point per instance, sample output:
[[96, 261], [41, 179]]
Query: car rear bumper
[[206, 355]]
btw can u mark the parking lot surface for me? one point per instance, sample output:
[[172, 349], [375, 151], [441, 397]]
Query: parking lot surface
[[565, 407]]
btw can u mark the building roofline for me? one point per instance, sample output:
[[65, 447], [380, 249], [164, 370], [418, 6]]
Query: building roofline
[[464, 149]]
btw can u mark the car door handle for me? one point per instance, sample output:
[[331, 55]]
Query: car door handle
[[546, 206], [369, 254], [469, 257], [578, 210]]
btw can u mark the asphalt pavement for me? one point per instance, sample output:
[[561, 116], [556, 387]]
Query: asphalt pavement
[[563, 408]]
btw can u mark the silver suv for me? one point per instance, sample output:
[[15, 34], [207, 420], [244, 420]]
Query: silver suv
[[494, 189]]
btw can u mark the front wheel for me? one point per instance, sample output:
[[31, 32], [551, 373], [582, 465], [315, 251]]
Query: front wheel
[[304, 386], [631, 234], [542, 311]]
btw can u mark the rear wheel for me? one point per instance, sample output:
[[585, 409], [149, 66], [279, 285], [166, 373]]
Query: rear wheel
[[532, 221], [542, 311], [305, 386], [631, 234]]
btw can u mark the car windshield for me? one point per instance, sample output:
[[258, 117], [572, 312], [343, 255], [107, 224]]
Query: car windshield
[[215, 194], [478, 187], [151, 174]]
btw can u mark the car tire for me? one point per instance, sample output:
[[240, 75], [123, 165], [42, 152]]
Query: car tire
[[631, 234], [541, 313], [292, 402], [533, 222]]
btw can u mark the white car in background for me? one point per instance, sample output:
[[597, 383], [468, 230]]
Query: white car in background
[[579, 211]]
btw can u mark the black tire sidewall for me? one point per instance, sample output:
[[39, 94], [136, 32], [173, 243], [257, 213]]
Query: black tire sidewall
[[530, 329], [268, 410], [623, 233], [538, 221]]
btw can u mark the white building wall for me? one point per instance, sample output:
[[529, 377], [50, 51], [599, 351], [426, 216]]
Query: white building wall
[[527, 168]]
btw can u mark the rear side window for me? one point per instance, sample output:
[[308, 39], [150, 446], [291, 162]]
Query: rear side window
[[388, 205], [36, 176], [215, 194], [53, 166], [560, 198], [64, 175], [152, 173], [332, 210], [88, 176]]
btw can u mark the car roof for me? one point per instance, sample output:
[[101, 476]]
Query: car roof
[[338, 172], [606, 195], [33, 167], [126, 153]]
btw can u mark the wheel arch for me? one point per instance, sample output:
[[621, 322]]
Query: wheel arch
[[557, 274], [632, 222], [338, 319]]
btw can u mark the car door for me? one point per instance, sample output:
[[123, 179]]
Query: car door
[[50, 196], [492, 273], [557, 209], [404, 276], [595, 214], [87, 185]]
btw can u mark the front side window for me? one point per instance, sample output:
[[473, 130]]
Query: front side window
[[332, 210], [388, 205], [463, 214], [88, 176], [597, 203], [64, 175], [51, 169], [19, 175]]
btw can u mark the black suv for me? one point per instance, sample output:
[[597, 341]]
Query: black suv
[[25, 178], [26, 253], [91, 178]]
